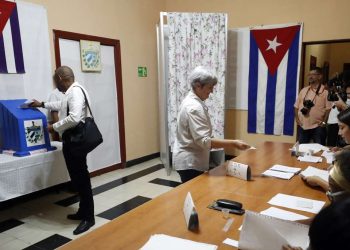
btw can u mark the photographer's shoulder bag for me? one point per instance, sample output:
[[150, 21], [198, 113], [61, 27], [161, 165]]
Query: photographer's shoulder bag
[[84, 137]]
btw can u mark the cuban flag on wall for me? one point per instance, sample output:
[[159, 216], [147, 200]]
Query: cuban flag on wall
[[11, 54], [274, 61]]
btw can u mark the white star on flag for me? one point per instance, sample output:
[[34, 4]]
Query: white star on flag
[[273, 44]]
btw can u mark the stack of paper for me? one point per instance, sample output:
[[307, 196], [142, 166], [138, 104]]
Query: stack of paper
[[310, 158], [267, 233], [298, 203], [311, 171], [281, 171], [313, 147], [283, 214], [162, 241]]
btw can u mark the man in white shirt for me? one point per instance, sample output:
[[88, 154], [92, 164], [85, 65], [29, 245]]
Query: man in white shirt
[[77, 111], [194, 139]]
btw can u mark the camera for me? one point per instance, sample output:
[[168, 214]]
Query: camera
[[308, 104], [336, 88]]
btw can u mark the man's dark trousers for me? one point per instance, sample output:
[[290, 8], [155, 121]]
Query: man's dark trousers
[[80, 177]]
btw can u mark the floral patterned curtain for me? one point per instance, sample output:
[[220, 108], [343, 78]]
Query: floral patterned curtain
[[196, 39]]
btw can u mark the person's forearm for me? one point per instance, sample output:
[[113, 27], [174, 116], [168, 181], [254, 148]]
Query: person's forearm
[[324, 185], [222, 143], [296, 116]]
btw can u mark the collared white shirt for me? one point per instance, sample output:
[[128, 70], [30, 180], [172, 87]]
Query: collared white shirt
[[78, 111], [193, 135]]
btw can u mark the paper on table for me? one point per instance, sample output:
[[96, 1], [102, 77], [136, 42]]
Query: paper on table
[[278, 174], [315, 147], [329, 155], [268, 233], [26, 104], [283, 168], [162, 241], [310, 158], [231, 242], [295, 202], [283, 214], [312, 171]]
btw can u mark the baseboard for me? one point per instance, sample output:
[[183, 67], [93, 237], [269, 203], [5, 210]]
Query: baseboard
[[142, 159]]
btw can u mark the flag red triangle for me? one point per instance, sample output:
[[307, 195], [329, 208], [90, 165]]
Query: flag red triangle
[[274, 43], [6, 8]]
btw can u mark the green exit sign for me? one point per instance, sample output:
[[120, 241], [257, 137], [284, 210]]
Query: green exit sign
[[142, 71]]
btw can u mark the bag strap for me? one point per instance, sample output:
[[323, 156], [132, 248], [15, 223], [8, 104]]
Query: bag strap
[[86, 101]]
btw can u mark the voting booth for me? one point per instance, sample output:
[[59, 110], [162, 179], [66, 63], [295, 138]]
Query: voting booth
[[22, 130]]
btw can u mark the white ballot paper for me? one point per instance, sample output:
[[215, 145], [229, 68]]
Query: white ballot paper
[[26, 104], [314, 147], [298, 203], [239, 170], [162, 241], [286, 169], [310, 158], [283, 214], [312, 171], [278, 174], [262, 232], [231, 242]]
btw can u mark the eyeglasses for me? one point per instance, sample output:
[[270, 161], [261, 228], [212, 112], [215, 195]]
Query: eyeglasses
[[332, 196]]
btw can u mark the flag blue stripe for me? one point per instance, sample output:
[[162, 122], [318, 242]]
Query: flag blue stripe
[[3, 64], [16, 41], [253, 84], [292, 71], [270, 103]]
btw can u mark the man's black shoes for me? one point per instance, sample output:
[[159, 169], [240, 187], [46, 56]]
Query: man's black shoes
[[74, 217], [83, 226]]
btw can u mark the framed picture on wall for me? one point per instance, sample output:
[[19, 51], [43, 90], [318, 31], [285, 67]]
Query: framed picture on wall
[[313, 62], [90, 53]]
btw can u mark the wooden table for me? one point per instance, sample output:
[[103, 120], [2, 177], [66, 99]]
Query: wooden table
[[163, 215]]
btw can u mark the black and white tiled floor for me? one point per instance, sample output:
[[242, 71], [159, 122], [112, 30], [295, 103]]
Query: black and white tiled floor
[[41, 223]]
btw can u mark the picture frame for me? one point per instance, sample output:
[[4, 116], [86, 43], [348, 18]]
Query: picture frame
[[90, 53]]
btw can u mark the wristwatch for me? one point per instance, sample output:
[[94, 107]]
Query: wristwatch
[[43, 104]]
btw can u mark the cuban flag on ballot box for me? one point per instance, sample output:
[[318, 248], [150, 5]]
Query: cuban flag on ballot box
[[274, 61], [11, 54]]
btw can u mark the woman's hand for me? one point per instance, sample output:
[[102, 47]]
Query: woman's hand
[[336, 149], [239, 144], [315, 181]]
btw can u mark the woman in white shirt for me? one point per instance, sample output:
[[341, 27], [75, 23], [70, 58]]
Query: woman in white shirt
[[194, 139]]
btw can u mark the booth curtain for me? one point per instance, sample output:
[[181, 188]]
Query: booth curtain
[[196, 39]]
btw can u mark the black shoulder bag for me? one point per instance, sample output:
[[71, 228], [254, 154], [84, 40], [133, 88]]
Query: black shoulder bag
[[84, 137]]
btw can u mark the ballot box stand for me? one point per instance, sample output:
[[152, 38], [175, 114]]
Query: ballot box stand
[[22, 130]]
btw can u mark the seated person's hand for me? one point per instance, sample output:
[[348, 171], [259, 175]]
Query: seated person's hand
[[239, 144], [288, 247], [313, 181], [336, 149], [35, 104]]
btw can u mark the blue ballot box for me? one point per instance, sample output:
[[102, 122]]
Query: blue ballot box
[[22, 130]]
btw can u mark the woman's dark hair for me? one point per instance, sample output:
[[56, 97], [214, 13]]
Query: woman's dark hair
[[344, 116], [343, 161], [330, 227]]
